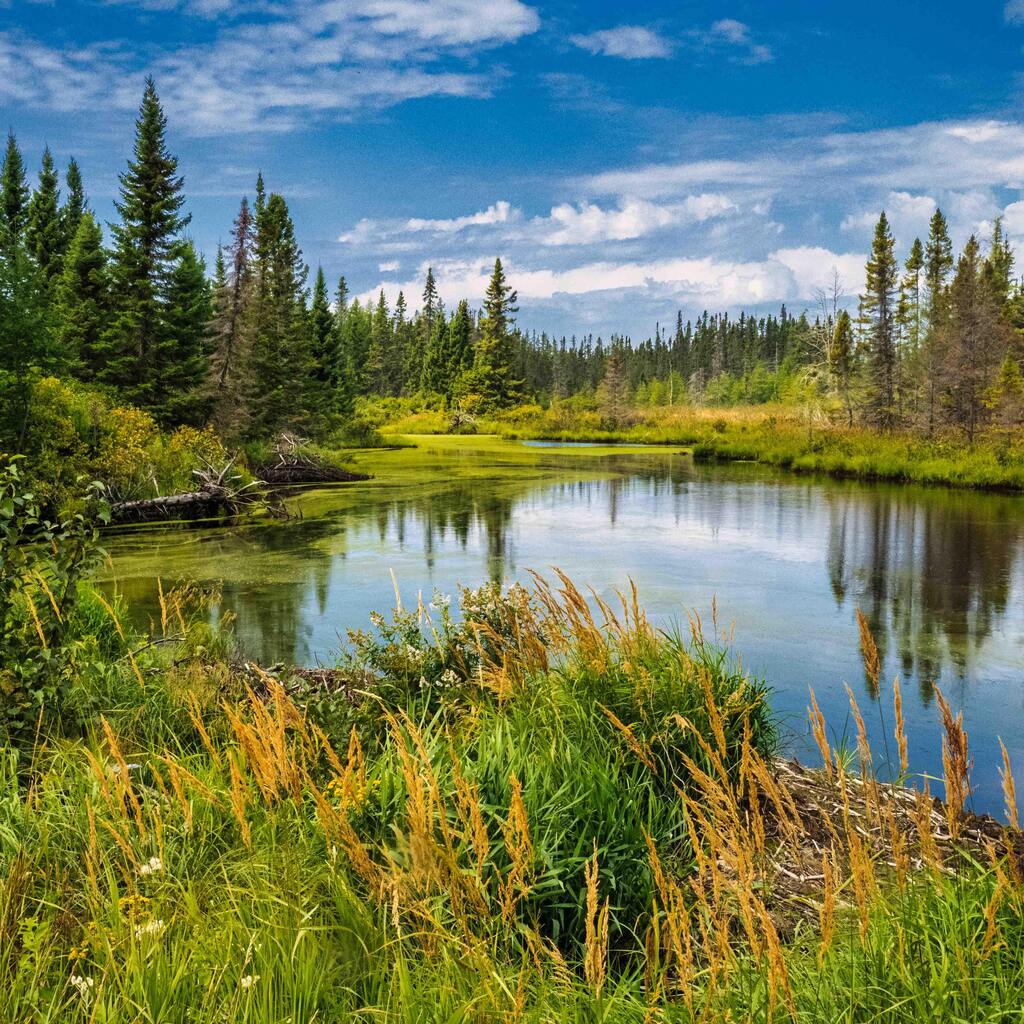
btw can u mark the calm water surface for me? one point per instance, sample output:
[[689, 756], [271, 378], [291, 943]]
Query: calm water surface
[[938, 573]]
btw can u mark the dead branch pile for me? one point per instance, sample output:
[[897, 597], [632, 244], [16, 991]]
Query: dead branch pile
[[294, 462]]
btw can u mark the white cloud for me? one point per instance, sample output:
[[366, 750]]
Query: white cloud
[[1013, 219], [814, 267], [911, 163], [736, 33], [631, 42], [786, 274], [1015, 12], [389, 267], [297, 60], [369, 231], [498, 213], [586, 222], [907, 213], [654, 180]]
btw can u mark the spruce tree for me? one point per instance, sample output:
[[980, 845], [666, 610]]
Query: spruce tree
[[910, 296], [460, 344], [141, 345], [324, 342], [14, 197], [378, 362], [492, 370], [436, 378], [431, 304], [345, 385], [229, 329], [44, 232], [356, 334], [279, 370], [998, 269], [178, 385], [83, 300], [400, 347], [938, 263], [26, 340], [880, 306], [978, 341], [842, 356], [74, 205]]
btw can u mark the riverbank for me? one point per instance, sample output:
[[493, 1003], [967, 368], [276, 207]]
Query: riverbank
[[529, 813], [780, 436]]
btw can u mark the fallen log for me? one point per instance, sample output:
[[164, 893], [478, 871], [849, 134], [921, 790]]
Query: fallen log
[[219, 494], [206, 503]]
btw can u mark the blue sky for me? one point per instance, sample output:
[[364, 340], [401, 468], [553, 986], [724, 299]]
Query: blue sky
[[624, 160]]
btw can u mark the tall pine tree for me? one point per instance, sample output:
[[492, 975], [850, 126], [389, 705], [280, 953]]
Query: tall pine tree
[[492, 375], [14, 197], [228, 332], [180, 394], [279, 355], [74, 205], [83, 300], [142, 346], [44, 232], [324, 346], [880, 306]]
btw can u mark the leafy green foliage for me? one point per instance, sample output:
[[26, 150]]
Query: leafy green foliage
[[42, 564]]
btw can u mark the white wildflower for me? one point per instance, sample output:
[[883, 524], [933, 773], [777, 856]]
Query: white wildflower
[[249, 980], [377, 619], [152, 866], [83, 984], [151, 928]]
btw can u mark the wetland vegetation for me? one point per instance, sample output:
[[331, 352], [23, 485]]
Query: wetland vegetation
[[232, 790]]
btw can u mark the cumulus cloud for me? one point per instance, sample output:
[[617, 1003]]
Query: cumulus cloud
[[783, 275], [586, 222], [1013, 219], [631, 42], [906, 213]]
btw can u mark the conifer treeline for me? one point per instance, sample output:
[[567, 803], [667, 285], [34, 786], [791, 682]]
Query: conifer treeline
[[257, 348]]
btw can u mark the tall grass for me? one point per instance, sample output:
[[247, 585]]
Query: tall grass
[[566, 815], [784, 436]]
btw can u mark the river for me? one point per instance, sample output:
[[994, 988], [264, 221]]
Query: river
[[787, 560]]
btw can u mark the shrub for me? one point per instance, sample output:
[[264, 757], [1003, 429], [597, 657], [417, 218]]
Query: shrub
[[42, 564]]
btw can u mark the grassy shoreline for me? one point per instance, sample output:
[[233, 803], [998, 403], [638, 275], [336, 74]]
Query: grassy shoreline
[[549, 814], [777, 436]]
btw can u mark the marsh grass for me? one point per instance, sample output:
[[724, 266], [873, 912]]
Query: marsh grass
[[587, 823], [777, 435]]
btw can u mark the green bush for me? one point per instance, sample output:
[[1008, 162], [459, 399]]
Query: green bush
[[42, 566]]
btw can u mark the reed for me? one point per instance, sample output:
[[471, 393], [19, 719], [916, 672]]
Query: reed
[[592, 824]]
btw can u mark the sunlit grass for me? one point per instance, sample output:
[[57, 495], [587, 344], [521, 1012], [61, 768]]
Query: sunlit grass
[[546, 810]]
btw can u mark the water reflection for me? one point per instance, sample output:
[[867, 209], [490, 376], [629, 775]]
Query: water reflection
[[932, 571]]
